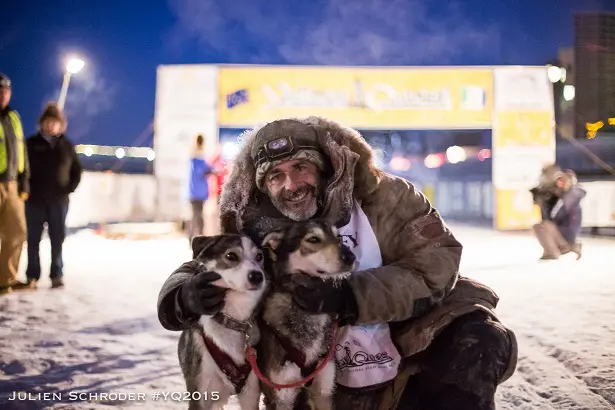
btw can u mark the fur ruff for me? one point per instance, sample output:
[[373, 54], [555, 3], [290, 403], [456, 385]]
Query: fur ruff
[[355, 176]]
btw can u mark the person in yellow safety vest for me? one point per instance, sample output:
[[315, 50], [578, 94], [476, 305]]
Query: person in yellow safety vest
[[14, 190]]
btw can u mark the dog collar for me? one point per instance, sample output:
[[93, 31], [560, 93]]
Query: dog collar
[[244, 327]]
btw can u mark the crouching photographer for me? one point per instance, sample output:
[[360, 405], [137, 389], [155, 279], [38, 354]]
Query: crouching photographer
[[559, 197]]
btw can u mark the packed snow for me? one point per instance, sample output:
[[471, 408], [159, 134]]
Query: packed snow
[[100, 334]]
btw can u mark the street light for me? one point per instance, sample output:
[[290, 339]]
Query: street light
[[556, 74], [569, 92], [73, 66], [455, 154]]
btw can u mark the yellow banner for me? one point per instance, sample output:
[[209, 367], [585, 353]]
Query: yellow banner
[[523, 128], [368, 98], [515, 209], [523, 142]]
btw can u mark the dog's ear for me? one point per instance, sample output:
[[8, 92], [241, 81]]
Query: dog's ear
[[272, 240], [200, 243]]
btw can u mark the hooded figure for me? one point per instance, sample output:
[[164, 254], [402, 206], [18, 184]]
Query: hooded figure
[[407, 288]]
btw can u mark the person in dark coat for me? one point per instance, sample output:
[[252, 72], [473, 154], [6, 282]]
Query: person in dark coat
[[55, 174]]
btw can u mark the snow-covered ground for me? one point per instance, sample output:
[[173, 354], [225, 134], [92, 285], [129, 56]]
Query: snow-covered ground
[[101, 333]]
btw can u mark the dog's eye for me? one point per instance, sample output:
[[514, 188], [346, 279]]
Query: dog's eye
[[259, 257], [232, 256], [313, 239]]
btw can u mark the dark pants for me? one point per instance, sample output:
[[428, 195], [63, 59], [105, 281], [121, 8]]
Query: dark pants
[[459, 371], [198, 223], [36, 216]]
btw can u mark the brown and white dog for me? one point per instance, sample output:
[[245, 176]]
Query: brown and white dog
[[212, 353], [293, 341]]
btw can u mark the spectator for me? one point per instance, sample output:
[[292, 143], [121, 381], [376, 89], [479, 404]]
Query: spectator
[[220, 167], [559, 197], [14, 190], [56, 173], [199, 188]]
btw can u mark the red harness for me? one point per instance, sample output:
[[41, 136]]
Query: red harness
[[295, 355], [237, 375]]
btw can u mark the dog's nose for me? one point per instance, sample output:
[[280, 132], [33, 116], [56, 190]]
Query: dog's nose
[[255, 277], [347, 256]]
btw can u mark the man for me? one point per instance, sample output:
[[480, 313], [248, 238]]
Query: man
[[14, 190], [56, 173], [199, 186], [455, 351], [559, 197]]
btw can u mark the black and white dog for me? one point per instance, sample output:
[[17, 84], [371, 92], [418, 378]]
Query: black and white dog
[[212, 353]]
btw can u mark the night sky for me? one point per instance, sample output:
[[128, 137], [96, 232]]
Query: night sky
[[112, 101]]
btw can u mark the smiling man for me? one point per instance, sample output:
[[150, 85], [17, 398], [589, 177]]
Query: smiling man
[[438, 342], [292, 182]]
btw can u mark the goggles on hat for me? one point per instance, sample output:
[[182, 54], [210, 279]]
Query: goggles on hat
[[280, 148], [5, 83]]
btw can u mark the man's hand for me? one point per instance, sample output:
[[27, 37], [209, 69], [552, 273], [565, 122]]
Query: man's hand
[[24, 196], [200, 297], [325, 296]]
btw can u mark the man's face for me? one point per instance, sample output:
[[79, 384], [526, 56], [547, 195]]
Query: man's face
[[5, 97], [293, 187], [51, 127]]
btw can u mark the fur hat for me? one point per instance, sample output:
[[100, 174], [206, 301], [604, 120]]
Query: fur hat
[[285, 140], [52, 111], [5, 81]]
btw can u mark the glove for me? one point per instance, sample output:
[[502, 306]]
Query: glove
[[326, 296], [199, 297]]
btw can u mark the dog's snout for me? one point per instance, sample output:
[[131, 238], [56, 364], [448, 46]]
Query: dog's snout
[[347, 256], [255, 277]]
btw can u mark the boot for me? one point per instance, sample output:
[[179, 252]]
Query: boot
[[57, 282], [577, 249], [549, 257], [29, 285]]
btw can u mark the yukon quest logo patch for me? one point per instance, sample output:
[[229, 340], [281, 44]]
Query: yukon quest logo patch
[[359, 358]]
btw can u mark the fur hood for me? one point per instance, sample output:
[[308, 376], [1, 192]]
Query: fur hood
[[354, 176]]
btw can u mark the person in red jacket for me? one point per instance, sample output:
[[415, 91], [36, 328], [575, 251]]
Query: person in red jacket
[[219, 165]]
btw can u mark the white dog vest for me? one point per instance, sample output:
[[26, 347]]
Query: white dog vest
[[365, 355]]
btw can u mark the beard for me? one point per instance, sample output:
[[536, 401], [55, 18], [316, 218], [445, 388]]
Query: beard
[[301, 210]]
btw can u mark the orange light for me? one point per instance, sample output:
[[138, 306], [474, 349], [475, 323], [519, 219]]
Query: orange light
[[434, 160], [400, 164], [483, 154]]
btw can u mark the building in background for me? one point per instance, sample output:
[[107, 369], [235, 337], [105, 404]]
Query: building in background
[[594, 68], [563, 99]]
